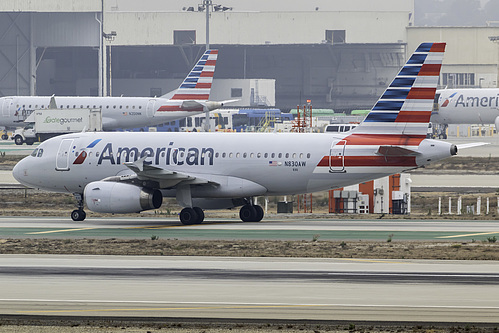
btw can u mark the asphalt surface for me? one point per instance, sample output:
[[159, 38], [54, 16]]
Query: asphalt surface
[[263, 288]]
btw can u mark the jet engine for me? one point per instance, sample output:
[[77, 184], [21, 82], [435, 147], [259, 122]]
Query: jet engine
[[116, 197]]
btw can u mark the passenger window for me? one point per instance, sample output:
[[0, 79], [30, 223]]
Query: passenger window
[[127, 106], [133, 107], [252, 155], [223, 155], [280, 155], [287, 155], [121, 106], [67, 106], [114, 106], [81, 106], [140, 107], [107, 106], [308, 155], [237, 155], [244, 155], [230, 155], [259, 155], [301, 155], [266, 155], [273, 155], [74, 106], [216, 155], [294, 155]]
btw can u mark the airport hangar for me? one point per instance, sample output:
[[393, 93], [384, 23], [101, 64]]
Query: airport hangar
[[339, 54]]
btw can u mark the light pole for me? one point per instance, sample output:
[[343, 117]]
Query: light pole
[[206, 6], [110, 37], [495, 39]]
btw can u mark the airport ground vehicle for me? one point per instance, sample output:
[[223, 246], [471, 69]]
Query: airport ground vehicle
[[45, 124]]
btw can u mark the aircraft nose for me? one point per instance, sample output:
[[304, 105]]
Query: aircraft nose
[[20, 172]]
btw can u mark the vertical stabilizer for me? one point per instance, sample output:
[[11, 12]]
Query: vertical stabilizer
[[406, 105]]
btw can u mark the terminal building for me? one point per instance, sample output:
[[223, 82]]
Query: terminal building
[[339, 54]]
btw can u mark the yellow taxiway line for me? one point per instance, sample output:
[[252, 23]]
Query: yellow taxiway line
[[54, 231], [467, 235]]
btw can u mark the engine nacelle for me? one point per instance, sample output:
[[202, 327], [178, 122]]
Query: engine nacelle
[[116, 197]]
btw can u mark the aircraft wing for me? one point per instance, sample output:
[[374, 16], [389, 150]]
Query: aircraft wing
[[396, 151], [162, 178]]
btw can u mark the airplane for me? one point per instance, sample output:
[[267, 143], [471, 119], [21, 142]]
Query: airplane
[[191, 97], [466, 106], [132, 172]]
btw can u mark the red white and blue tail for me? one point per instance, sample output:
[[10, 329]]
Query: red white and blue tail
[[195, 90], [406, 105], [197, 85]]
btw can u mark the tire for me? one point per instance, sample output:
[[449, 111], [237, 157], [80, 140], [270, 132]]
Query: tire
[[18, 140], [5, 136], [200, 213], [188, 216], [259, 213], [30, 142], [248, 213], [78, 215]]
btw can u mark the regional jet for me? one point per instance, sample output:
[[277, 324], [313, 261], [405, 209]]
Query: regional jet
[[466, 106], [132, 172], [191, 97]]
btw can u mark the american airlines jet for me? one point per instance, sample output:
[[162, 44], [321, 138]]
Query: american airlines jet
[[466, 106], [192, 97], [132, 172]]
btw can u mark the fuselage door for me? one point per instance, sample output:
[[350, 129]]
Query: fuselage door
[[337, 156], [6, 107], [62, 160], [150, 108]]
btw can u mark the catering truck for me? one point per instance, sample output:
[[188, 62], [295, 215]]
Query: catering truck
[[46, 123]]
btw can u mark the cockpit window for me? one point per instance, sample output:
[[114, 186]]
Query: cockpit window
[[38, 152]]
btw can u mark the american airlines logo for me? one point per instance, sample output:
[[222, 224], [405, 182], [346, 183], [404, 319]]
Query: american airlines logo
[[170, 155], [473, 101]]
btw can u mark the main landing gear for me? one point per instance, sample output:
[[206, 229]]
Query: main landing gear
[[251, 213], [78, 214], [194, 215]]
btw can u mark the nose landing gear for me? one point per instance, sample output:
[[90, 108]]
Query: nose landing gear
[[79, 214]]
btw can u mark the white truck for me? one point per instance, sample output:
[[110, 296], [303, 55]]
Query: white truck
[[46, 123]]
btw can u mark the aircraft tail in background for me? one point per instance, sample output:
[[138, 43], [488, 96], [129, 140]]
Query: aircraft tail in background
[[194, 92]]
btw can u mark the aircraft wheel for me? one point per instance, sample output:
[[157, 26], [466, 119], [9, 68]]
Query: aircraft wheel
[[248, 213], [259, 213], [188, 216], [200, 213], [18, 140], [78, 215]]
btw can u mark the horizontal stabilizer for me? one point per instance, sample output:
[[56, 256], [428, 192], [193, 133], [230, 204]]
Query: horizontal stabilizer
[[396, 151], [206, 105], [471, 145]]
